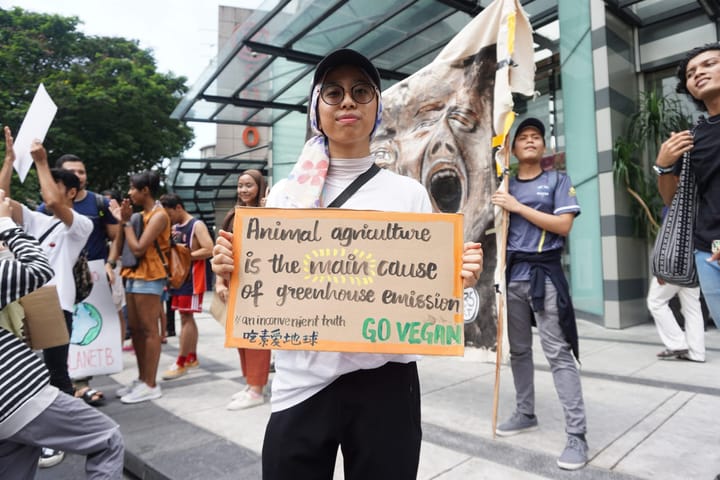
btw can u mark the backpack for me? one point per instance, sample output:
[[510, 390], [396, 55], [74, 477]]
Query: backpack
[[127, 258], [177, 263], [81, 270]]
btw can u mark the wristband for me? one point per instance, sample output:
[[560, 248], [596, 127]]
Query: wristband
[[663, 170]]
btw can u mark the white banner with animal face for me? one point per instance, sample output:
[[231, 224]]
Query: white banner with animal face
[[95, 342], [440, 124]]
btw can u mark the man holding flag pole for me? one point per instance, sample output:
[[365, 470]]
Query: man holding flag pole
[[542, 206], [537, 222], [440, 126]]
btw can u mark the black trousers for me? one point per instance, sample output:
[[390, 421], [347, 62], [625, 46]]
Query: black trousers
[[373, 415], [56, 361]]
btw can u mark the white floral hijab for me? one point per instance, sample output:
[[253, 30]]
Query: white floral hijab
[[305, 183]]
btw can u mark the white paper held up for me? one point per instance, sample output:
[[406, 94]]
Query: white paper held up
[[35, 125]]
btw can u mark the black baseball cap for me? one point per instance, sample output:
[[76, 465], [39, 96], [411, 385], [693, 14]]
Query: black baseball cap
[[530, 122], [346, 56]]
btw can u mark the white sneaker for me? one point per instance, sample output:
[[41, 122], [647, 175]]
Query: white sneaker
[[122, 391], [50, 457], [248, 400], [142, 393], [240, 394]]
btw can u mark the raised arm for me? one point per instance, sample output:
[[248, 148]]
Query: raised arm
[[6, 176], [670, 152], [51, 194], [7, 167], [138, 246]]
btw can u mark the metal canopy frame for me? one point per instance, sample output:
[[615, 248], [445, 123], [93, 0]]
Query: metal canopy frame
[[200, 182], [262, 76], [263, 71]]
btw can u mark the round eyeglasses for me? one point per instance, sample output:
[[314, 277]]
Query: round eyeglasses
[[333, 94]]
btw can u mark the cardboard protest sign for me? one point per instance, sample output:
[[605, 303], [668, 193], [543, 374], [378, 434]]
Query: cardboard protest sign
[[95, 346], [346, 280]]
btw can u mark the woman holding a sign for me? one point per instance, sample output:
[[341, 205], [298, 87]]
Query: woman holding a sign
[[255, 364], [368, 403]]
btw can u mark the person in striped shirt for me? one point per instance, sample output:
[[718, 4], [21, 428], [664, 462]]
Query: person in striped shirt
[[33, 413]]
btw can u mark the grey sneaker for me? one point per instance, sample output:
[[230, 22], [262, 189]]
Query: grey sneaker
[[518, 423], [575, 454]]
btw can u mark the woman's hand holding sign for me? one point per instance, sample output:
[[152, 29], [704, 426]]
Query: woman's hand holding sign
[[222, 260], [472, 265]]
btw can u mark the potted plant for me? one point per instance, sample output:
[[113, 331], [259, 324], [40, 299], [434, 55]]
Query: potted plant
[[656, 117]]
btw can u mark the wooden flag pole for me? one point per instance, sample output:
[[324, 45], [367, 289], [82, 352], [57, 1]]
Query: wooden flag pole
[[501, 234]]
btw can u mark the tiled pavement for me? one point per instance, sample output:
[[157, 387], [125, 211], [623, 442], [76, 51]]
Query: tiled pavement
[[647, 418]]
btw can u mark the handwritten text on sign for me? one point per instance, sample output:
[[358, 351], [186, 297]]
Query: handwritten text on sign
[[346, 280]]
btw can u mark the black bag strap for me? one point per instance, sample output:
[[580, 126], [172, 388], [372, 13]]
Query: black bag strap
[[45, 235], [354, 186], [99, 204], [163, 259]]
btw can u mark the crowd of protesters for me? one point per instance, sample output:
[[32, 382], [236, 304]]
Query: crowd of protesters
[[43, 413]]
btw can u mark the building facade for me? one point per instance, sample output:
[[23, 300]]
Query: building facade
[[593, 57]]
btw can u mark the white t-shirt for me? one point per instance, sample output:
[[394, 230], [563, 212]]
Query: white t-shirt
[[62, 246], [301, 374]]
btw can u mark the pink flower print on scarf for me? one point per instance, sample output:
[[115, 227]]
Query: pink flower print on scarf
[[306, 180], [316, 173]]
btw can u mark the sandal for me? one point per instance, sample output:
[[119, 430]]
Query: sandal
[[667, 354], [91, 396]]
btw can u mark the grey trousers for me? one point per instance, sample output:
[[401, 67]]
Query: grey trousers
[[557, 351], [68, 424]]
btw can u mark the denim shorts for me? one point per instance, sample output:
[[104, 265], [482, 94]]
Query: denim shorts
[[151, 287]]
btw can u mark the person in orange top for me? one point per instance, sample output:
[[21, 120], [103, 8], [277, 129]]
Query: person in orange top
[[144, 282], [255, 364]]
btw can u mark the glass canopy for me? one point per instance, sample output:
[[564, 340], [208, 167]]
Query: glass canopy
[[264, 71]]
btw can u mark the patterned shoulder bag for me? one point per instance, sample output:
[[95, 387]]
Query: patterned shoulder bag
[[673, 256]]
